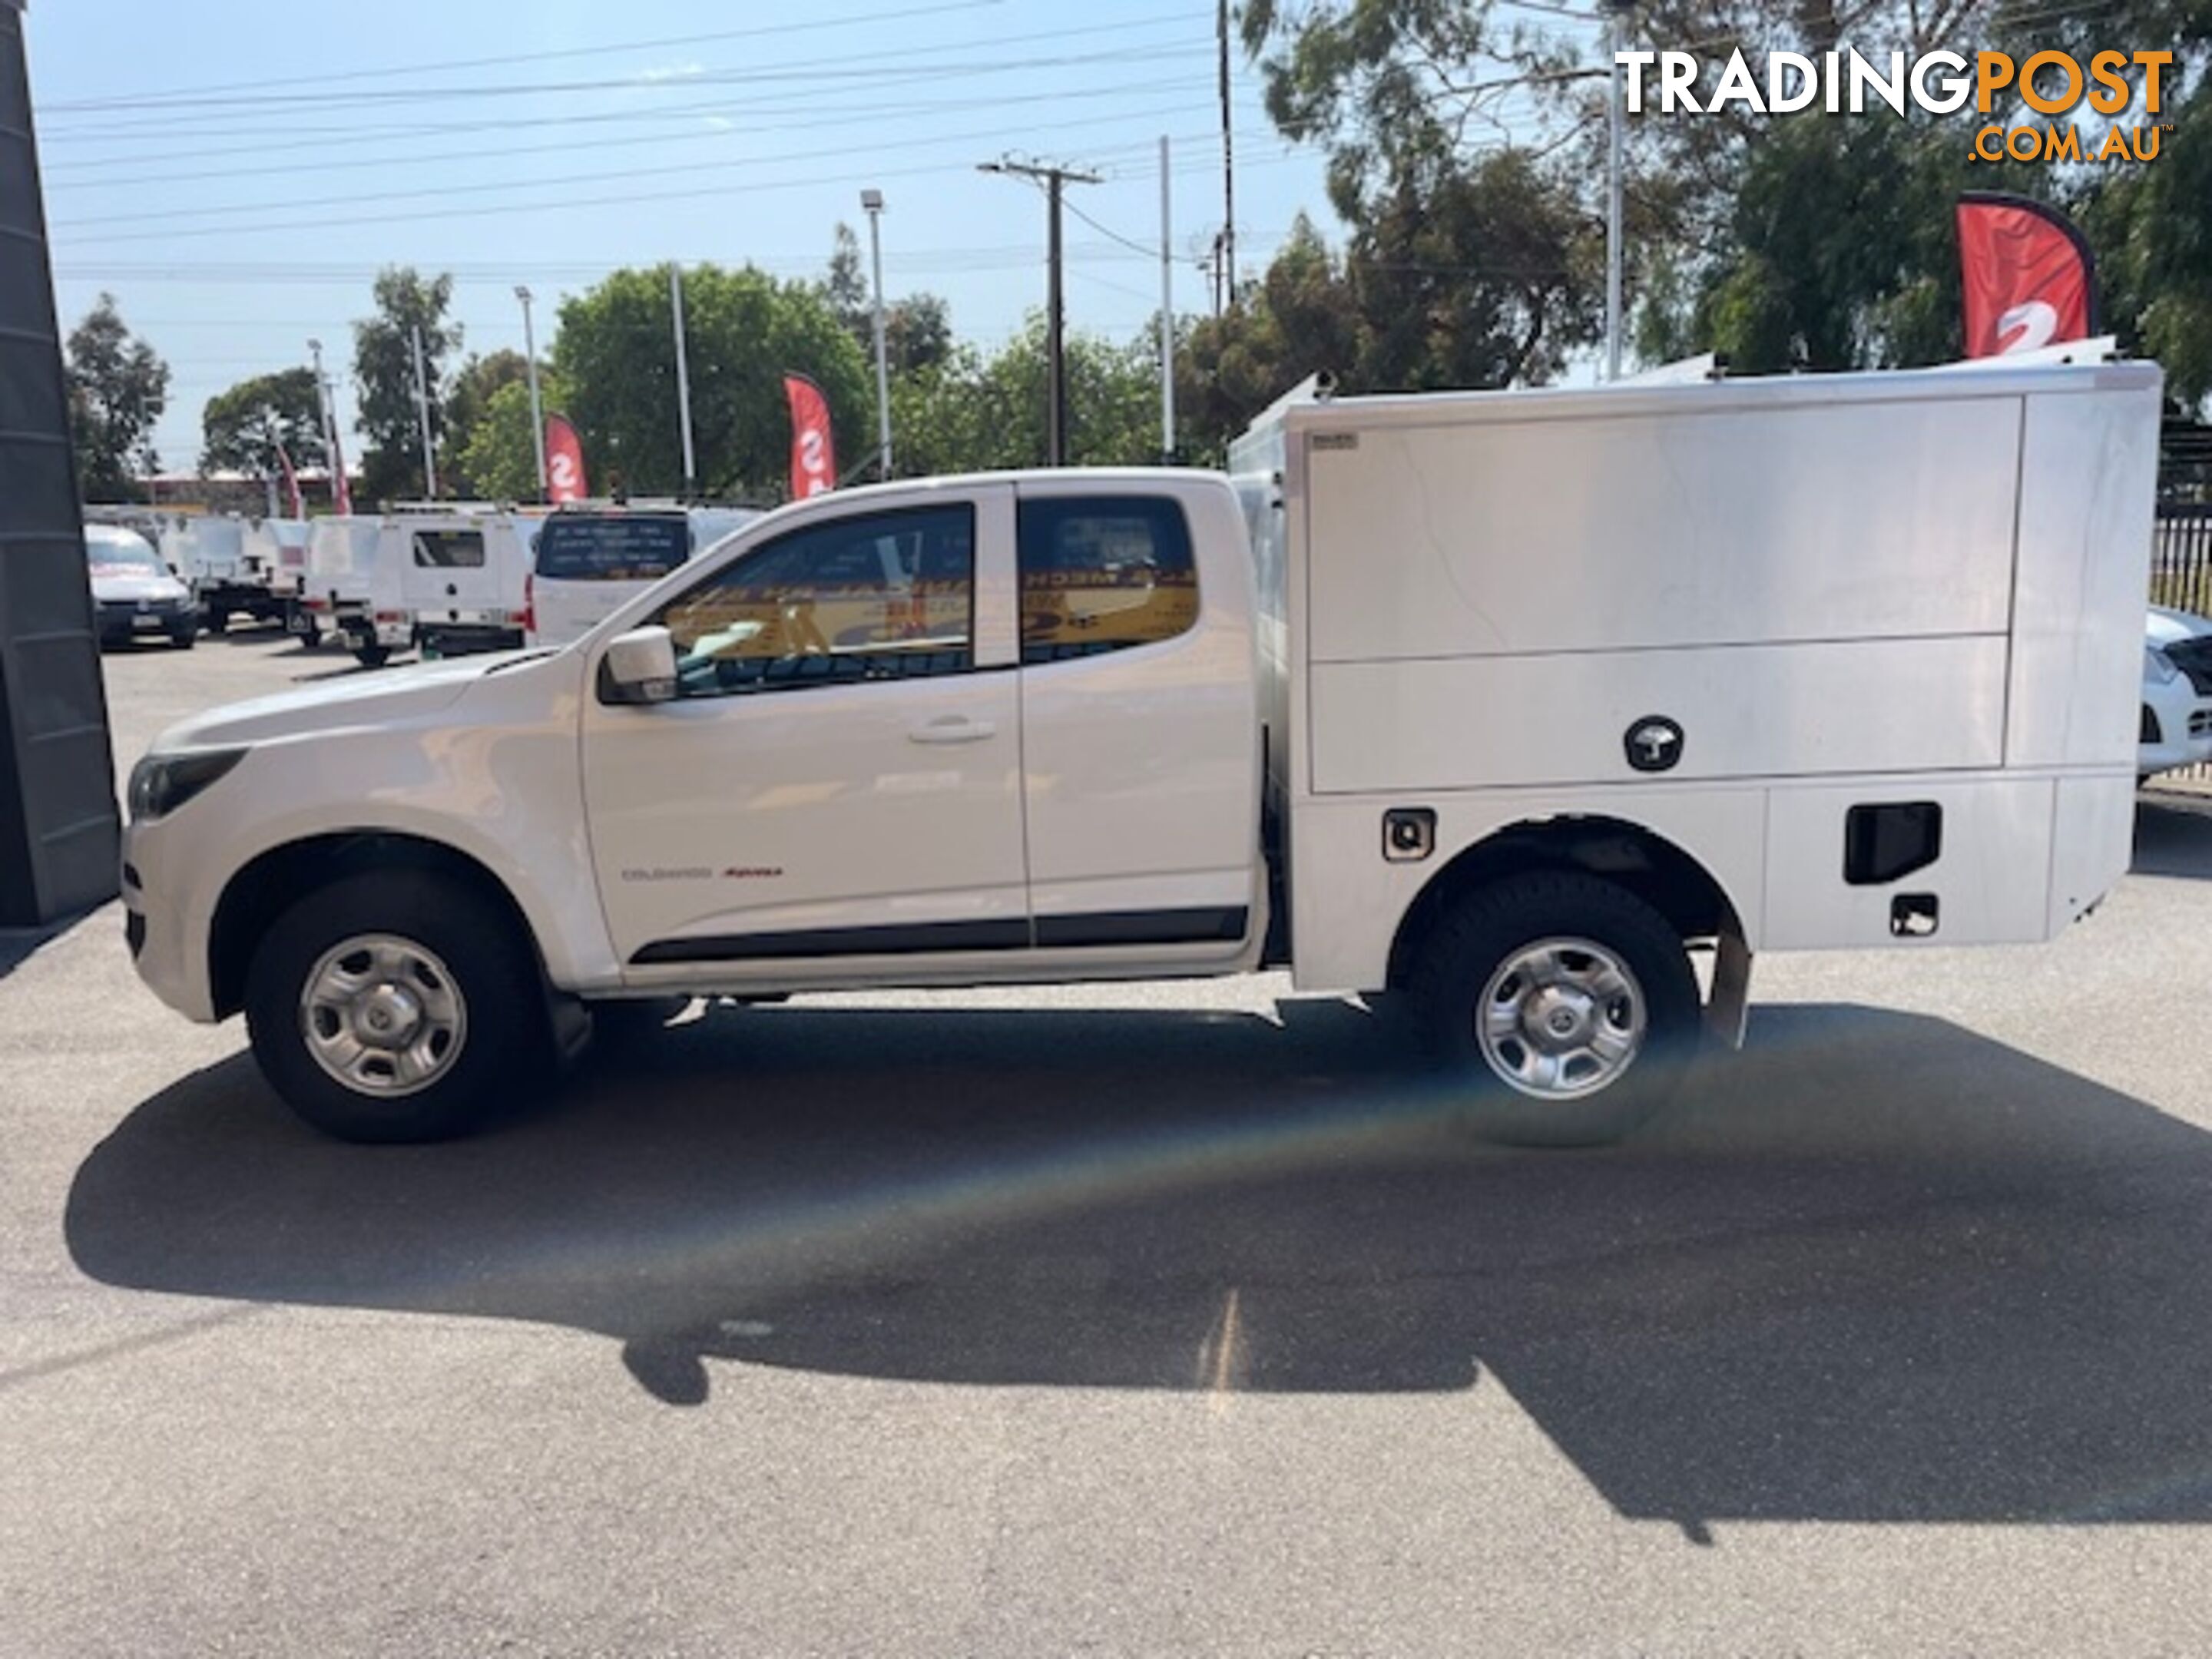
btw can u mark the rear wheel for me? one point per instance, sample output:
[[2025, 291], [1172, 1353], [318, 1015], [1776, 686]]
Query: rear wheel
[[1565, 1005], [372, 656], [396, 1006]]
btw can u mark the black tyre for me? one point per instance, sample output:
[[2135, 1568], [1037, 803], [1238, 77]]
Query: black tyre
[[372, 656], [311, 638], [218, 622], [185, 638], [1562, 1005], [396, 1005]]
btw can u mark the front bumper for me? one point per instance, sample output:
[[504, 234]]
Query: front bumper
[[168, 947], [2177, 728], [118, 620]]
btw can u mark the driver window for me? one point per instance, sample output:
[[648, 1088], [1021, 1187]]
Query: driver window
[[887, 596]]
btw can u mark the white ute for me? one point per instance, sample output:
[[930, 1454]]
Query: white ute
[[1504, 701]]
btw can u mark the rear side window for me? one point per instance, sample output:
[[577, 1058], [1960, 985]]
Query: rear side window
[[611, 550], [449, 550], [1103, 573]]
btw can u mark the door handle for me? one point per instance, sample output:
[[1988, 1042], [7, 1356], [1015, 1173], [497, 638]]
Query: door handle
[[953, 728]]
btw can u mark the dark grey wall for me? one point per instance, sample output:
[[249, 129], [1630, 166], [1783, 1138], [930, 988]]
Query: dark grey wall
[[58, 827]]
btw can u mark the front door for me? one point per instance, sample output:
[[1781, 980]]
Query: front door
[[839, 779]]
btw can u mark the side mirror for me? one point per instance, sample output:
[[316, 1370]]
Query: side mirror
[[638, 667]]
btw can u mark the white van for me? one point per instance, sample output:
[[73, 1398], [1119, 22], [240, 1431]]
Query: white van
[[459, 576], [1504, 702], [590, 561], [134, 594]]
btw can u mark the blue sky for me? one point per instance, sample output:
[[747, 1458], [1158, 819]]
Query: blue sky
[[235, 184]]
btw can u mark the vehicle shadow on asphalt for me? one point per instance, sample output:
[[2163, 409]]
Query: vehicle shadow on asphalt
[[1879, 1268], [2173, 834]]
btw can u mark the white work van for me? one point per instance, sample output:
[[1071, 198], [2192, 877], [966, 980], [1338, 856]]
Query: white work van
[[589, 562], [1501, 703], [459, 574]]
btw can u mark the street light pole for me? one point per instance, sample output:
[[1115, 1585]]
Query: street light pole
[[683, 381], [537, 405], [1616, 124], [330, 420], [873, 202], [422, 413]]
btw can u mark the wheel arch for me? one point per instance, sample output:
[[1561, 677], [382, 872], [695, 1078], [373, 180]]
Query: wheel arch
[[262, 888], [1633, 856]]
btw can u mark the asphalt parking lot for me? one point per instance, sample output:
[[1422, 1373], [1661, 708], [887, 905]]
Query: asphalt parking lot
[[1141, 1319]]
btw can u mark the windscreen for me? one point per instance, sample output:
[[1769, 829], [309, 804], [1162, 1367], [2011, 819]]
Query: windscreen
[[624, 550], [121, 553]]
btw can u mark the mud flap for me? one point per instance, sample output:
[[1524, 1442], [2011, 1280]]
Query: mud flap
[[1728, 1010]]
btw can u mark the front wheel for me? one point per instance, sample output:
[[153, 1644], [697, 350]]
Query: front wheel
[[1565, 1006], [184, 639], [396, 1006], [372, 656]]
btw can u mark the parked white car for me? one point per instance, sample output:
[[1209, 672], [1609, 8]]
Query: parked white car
[[134, 595], [1404, 705], [2176, 691]]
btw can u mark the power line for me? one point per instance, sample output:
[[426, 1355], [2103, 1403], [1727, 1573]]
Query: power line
[[562, 181], [488, 209], [845, 66], [1148, 251], [872, 118], [143, 101]]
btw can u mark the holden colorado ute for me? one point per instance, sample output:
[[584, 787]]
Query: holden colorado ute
[[1507, 702]]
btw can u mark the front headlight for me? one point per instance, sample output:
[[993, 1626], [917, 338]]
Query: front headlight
[[2158, 668], [159, 784]]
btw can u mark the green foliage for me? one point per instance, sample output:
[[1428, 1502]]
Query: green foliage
[[1467, 265], [917, 330], [118, 388], [475, 385], [1467, 154], [242, 427], [744, 330], [968, 413], [1828, 242], [2152, 227], [383, 377], [499, 461]]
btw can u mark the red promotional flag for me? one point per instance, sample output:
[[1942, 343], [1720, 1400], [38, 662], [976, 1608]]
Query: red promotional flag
[[813, 456], [564, 461], [2029, 278]]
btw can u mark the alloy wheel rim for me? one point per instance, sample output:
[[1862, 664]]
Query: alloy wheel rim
[[1561, 1019], [383, 1016]]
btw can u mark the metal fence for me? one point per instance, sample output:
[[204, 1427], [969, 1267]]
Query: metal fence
[[2181, 570], [2181, 558]]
